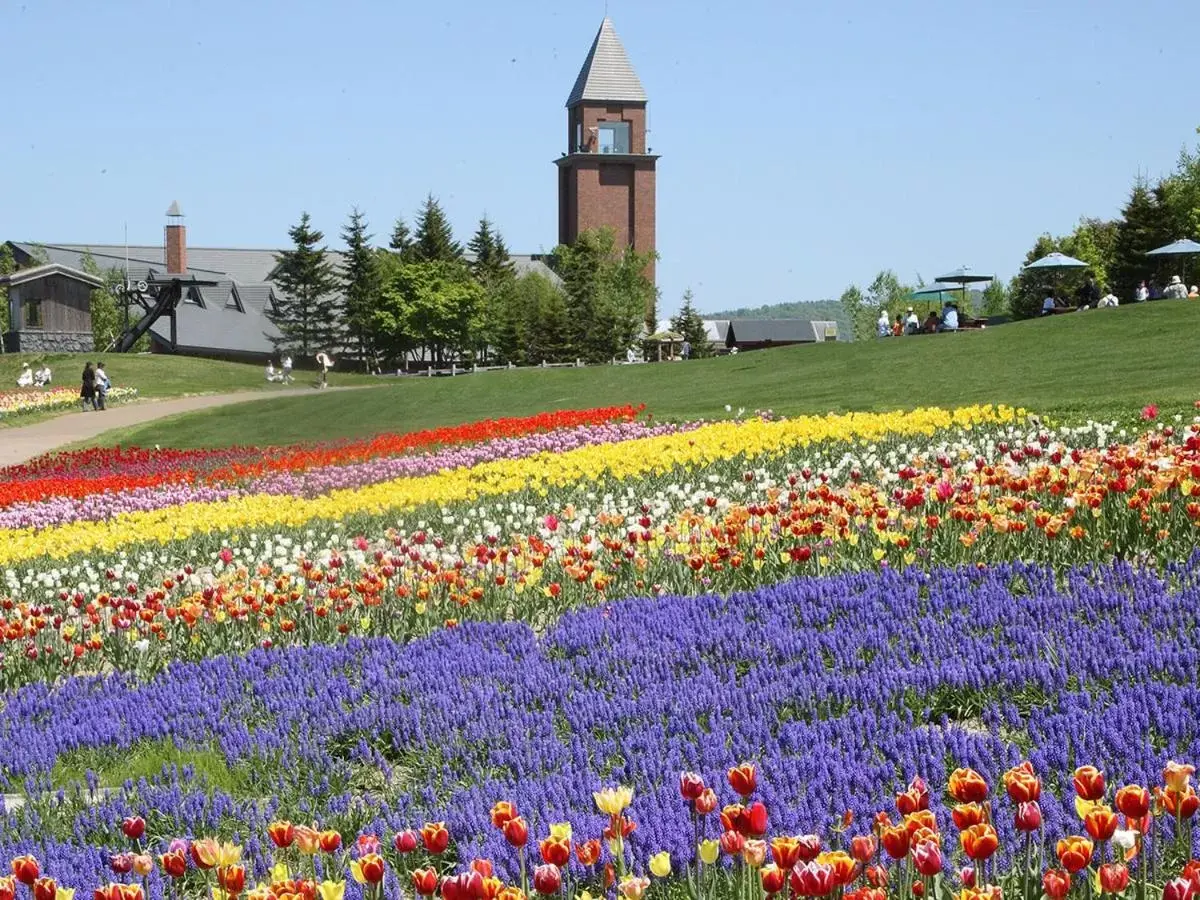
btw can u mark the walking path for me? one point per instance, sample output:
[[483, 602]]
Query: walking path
[[25, 442]]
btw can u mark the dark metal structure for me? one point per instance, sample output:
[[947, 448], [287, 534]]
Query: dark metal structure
[[157, 299]]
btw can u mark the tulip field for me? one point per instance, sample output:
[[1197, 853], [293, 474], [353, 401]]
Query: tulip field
[[586, 654]]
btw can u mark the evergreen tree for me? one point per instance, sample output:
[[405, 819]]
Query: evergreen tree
[[306, 311], [8, 265], [1142, 227], [491, 263], [401, 240], [360, 286], [690, 324], [434, 239]]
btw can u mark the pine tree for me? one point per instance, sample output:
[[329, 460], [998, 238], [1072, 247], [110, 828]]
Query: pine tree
[[690, 324], [402, 241], [491, 263], [434, 239], [360, 286], [8, 265], [1143, 226], [306, 311]]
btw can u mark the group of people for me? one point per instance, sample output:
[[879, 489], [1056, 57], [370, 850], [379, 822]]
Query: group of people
[[282, 375], [29, 378], [1175, 290], [910, 322], [95, 387]]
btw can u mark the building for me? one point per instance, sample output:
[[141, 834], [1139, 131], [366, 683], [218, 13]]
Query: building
[[49, 309], [762, 334], [225, 320], [606, 178]]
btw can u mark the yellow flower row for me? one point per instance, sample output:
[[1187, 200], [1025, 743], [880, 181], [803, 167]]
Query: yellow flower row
[[630, 459]]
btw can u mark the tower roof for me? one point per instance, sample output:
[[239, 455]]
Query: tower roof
[[607, 75]]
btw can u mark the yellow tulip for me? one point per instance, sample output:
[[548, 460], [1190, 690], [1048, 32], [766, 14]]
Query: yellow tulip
[[710, 851], [660, 864], [280, 872], [561, 830], [612, 801], [65, 893], [229, 854], [332, 890]]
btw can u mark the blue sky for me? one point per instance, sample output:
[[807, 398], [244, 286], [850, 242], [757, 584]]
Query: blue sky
[[805, 144]]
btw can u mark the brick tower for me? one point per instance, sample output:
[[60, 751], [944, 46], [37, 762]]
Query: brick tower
[[606, 177]]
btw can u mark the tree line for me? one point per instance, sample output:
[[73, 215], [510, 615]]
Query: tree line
[[425, 293]]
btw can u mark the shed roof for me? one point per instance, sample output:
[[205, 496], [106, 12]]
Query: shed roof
[[759, 331], [44, 271]]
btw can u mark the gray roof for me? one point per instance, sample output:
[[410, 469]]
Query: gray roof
[[607, 75], [52, 268], [757, 331], [717, 329]]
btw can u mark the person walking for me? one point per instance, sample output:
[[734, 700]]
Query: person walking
[[87, 393], [102, 386], [326, 364], [287, 369]]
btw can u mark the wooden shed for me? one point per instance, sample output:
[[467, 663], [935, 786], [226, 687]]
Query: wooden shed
[[50, 310]]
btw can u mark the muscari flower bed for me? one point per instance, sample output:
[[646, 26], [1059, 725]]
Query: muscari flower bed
[[841, 689]]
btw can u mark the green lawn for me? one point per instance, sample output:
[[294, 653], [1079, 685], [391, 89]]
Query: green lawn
[[154, 376], [1090, 362]]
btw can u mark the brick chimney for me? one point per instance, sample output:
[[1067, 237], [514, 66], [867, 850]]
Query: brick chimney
[[175, 241]]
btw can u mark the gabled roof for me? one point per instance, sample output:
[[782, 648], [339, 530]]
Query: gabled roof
[[52, 268], [607, 75], [757, 331]]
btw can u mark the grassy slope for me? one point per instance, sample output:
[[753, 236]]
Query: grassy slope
[[155, 377], [1088, 362]]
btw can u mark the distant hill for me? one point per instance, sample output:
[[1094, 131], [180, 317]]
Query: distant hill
[[812, 310]]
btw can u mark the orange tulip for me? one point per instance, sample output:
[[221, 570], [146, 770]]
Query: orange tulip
[[425, 882], [967, 814], [1182, 804], [979, 842], [743, 778], [1114, 878], [1074, 853], [773, 879], [45, 889], [1133, 801], [1022, 785], [862, 847], [1101, 823], [516, 832], [1056, 883], [555, 850], [308, 840], [785, 851], [921, 819], [371, 868], [588, 853], [895, 841], [968, 786], [435, 836], [231, 879], [1089, 783], [282, 834], [502, 812], [331, 841]]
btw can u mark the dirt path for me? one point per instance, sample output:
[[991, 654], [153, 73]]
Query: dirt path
[[25, 442]]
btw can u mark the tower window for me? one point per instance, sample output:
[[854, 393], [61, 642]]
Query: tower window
[[33, 313], [613, 137]]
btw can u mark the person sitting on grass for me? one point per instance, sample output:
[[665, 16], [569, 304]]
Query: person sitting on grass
[[272, 375], [42, 377], [898, 327], [1194, 293], [912, 325], [1175, 290], [932, 323], [1108, 301], [950, 318], [25, 379]]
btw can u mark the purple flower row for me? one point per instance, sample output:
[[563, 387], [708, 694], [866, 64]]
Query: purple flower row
[[60, 510]]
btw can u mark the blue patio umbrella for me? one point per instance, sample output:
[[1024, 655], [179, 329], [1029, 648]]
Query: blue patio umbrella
[[1182, 247], [1056, 262]]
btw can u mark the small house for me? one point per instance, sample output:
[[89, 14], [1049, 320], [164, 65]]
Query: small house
[[49, 310], [760, 334]]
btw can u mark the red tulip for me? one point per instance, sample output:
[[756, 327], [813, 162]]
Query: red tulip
[[756, 820], [743, 779], [895, 841], [706, 802], [979, 842], [1114, 878], [425, 882], [811, 879], [774, 879], [691, 786], [927, 858], [406, 841], [863, 847], [556, 851], [967, 876], [877, 876], [502, 812], [45, 889], [8, 888], [588, 853], [785, 851], [733, 817], [1028, 816], [435, 837], [282, 834], [1089, 783], [483, 866], [1101, 823], [1056, 883], [516, 832], [134, 827], [968, 786], [547, 879], [1178, 889], [371, 867], [808, 846], [26, 869], [121, 863], [1133, 801], [732, 842], [174, 863]]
